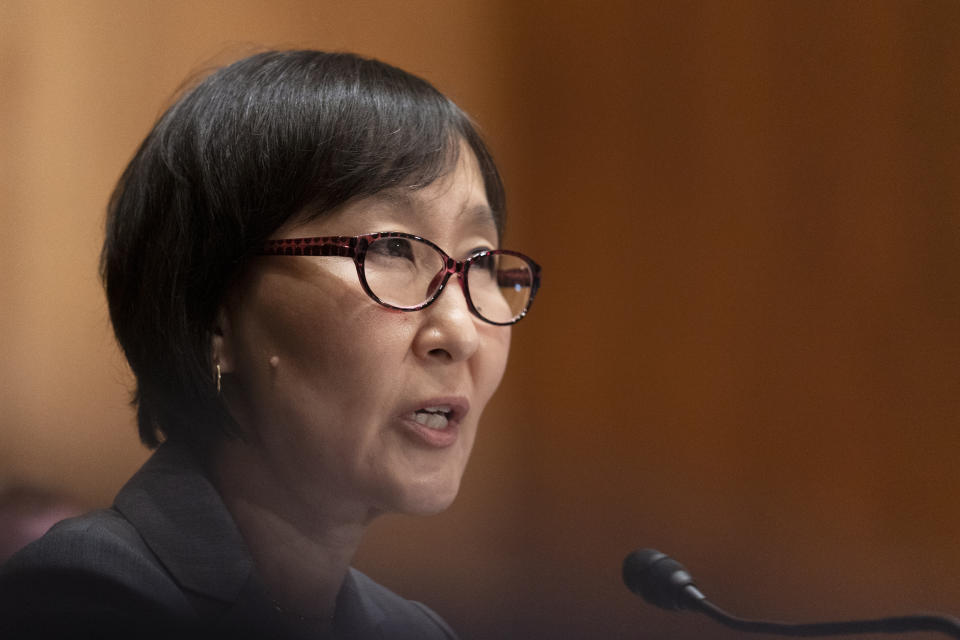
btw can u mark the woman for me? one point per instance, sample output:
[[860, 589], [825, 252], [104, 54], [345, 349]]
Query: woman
[[303, 271]]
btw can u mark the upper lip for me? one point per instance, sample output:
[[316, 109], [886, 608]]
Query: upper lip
[[459, 406]]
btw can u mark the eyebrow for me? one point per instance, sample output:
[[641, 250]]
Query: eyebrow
[[404, 201]]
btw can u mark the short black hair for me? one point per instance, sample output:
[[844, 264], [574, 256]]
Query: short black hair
[[251, 146]]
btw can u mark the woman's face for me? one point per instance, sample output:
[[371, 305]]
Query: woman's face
[[329, 384]]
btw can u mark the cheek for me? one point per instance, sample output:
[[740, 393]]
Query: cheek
[[282, 344], [306, 322], [312, 409], [493, 362], [333, 360], [294, 340]]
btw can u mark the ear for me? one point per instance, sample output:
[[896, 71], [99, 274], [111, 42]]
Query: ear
[[221, 342]]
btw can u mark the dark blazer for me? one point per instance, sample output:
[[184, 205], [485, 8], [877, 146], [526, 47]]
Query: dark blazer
[[167, 560]]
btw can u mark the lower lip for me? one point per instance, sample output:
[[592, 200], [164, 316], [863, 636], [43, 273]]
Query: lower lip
[[436, 438]]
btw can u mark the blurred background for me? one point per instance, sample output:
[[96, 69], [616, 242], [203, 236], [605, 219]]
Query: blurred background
[[747, 349]]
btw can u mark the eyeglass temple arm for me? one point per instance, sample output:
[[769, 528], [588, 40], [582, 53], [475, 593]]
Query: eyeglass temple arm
[[325, 246]]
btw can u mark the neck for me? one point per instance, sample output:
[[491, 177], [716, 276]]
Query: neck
[[302, 550]]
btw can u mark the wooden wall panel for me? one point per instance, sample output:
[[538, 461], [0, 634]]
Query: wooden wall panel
[[746, 351]]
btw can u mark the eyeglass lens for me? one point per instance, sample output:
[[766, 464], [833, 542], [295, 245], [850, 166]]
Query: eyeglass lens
[[404, 272]]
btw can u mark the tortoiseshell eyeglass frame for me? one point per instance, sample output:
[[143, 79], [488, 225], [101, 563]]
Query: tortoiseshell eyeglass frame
[[355, 247]]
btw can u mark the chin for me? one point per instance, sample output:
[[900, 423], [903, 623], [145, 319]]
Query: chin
[[428, 498]]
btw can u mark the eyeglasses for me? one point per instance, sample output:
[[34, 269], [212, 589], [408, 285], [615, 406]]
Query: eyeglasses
[[406, 272]]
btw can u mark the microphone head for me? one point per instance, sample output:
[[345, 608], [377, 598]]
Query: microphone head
[[657, 578]]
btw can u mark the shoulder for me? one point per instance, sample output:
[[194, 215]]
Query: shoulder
[[101, 543], [393, 615], [85, 571], [78, 540]]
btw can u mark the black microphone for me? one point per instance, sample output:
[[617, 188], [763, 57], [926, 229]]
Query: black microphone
[[663, 581]]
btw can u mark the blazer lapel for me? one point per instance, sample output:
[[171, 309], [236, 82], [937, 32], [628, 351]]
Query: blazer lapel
[[179, 513]]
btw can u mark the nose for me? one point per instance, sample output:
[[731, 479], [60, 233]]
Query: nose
[[449, 330]]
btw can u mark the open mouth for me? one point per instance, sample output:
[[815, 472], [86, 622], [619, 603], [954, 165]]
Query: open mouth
[[433, 417]]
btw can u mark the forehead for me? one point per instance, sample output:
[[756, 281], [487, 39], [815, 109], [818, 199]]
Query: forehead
[[455, 201], [409, 205]]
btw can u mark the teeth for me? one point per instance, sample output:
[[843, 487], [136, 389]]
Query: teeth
[[443, 408], [430, 420]]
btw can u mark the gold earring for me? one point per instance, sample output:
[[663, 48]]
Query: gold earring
[[218, 378]]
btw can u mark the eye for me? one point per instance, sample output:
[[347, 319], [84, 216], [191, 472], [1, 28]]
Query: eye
[[486, 262], [393, 248]]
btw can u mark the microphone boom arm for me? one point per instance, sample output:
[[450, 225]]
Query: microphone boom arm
[[662, 581], [898, 624]]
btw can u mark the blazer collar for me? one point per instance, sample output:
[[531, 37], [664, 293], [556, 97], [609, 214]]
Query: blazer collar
[[357, 614], [178, 512]]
